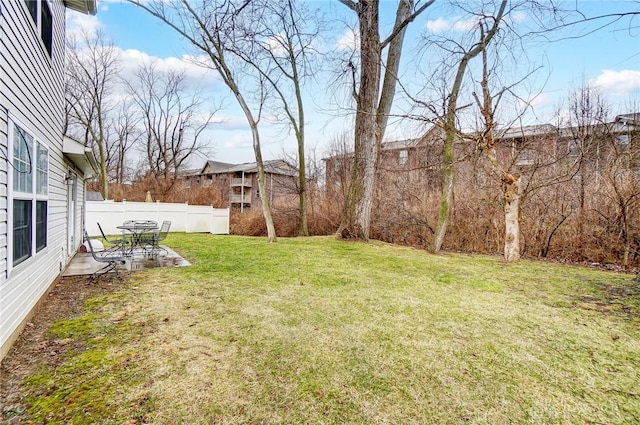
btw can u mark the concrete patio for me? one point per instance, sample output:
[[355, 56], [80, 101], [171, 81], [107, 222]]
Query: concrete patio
[[84, 264]]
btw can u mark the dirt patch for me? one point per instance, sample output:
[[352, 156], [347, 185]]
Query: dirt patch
[[624, 299], [35, 348]]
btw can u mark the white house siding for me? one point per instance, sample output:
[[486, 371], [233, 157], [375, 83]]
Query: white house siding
[[31, 92]]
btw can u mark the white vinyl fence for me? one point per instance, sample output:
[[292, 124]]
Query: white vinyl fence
[[183, 217]]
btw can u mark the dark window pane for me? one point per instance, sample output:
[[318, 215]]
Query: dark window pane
[[21, 230], [32, 5], [47, 26], [41, 225]]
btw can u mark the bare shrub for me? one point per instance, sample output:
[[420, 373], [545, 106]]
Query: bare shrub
[[248, 222]]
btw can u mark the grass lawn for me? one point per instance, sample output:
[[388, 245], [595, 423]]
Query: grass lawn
[[319, 331]]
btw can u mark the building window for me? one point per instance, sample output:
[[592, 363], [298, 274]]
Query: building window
[[40, 12], [46, 26], [525, 157], [573, 148], [21, 231], [30, 174], [32, 5], [404, 157], [622, 142]]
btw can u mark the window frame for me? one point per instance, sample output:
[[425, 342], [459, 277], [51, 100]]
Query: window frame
[[622, 143], [37, 15], [403, 157], [573, 147], [38, 200]]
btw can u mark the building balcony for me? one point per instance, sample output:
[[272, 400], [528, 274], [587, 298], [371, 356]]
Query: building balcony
[[246, 182], [238, 199]]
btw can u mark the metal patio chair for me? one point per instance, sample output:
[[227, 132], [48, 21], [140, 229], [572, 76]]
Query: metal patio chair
[[111, 259], [121, 244], [153, 240]]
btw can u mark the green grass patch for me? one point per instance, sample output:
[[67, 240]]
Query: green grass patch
[[315, 330]]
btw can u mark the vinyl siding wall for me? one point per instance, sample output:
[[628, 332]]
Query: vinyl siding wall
[[31, 92]]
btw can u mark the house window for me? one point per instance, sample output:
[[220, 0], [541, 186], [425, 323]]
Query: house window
[[40, 12], [404, 157], [46, 26], [21, 231], [29, 171], [32, 5]]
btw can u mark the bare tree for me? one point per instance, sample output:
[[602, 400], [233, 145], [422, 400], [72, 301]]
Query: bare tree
[[279, 51], [125, 125], [622, 191], [338, 168], [215, 28], [588, 113], [172, 119], [492, 23], [511, 183], [91, 73], [374, 97]]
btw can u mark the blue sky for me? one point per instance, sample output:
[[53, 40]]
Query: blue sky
[[609, 58]]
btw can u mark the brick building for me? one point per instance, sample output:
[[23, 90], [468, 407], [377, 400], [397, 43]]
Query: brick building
[[239, 182], [414, 163]]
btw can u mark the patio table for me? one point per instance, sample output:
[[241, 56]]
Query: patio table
[[139, 230]]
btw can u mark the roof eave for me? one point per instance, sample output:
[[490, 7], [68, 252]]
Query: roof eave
[[88, 7], [81, 156]]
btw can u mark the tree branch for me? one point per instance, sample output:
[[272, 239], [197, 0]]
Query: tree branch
[[398, 28]]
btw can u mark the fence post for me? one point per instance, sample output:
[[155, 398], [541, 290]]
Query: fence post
[[186, 217]]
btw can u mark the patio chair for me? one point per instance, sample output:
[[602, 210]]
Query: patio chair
[[153, 240], [110, 258], [117, 244], [162, 233]]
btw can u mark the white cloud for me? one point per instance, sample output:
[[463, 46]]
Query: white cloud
[[455, 24], [439, 25], [617, 83], [465, 25], [80, 24], [239, 141], [226, 122], [350, 40], [276, 44], [131, 59], [534, 102], [517, 17]]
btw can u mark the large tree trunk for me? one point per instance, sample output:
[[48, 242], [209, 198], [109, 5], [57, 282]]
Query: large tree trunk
[[373, 105], [392, 66], [302, 171], [357, 208], [302, 194], [446, 196], [450, 129], [448, 158], [512, 219], [262, 185]]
